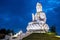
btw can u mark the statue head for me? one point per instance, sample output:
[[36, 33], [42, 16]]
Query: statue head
[[38, 7]]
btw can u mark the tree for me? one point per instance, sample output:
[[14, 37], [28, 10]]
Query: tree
[[4, 32], [10, 31], [53, 29]]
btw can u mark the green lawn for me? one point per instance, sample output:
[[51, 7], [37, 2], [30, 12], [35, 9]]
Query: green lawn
[[42, 36]]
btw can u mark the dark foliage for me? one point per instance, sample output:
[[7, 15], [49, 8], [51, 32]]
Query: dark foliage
[[4, 32], [53, 29]]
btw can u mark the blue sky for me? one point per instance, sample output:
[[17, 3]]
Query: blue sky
[[15, 14]]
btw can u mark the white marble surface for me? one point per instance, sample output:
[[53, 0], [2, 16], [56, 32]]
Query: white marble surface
[[39, 20]]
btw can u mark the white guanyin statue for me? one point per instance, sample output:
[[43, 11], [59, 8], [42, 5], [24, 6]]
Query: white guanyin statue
[[38, 24]]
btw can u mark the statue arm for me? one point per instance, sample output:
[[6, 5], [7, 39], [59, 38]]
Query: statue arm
[[45, 18]]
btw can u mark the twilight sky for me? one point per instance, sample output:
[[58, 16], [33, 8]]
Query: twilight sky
[[15, 14]]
